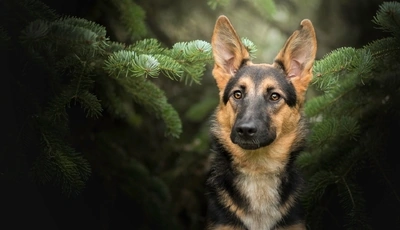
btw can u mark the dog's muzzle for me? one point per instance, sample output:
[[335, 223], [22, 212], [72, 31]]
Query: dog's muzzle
[[251, 135]]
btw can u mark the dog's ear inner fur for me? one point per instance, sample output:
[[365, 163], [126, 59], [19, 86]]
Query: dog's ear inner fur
[[297, 57], [228, 50]]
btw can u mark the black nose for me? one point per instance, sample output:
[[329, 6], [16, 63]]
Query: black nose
[[246, 130]]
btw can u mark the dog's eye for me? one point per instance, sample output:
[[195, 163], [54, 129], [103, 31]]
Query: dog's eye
[[237, 94], [275, 97]]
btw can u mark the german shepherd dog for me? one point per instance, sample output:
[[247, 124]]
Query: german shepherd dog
[[257, 131]]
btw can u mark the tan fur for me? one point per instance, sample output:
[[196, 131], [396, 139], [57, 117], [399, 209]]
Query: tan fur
[[229, 203]]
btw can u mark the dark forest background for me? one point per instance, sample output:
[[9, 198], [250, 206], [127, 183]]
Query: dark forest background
[[139, 177]]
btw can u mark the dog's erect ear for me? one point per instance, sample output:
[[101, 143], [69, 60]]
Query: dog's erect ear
[[228, 51], [297, 57]]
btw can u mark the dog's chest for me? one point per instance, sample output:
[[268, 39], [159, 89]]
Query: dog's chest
[[263, 196]]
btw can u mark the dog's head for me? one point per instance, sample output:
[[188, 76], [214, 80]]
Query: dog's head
[[261, 103]]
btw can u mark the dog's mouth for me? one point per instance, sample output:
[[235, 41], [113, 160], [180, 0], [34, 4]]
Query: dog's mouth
[[251, 144]]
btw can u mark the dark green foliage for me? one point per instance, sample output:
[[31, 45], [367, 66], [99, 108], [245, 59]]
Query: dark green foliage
[[349, 164], [81, 68]]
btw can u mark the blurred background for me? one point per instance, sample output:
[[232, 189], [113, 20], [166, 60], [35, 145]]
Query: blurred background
[[141, 179]]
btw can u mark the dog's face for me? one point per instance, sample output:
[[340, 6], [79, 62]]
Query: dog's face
[[260, 103], [257, 97]]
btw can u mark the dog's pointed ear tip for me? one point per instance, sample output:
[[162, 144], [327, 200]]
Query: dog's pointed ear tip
[[222, 18], [306, 23]]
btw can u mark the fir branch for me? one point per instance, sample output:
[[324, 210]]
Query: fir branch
[[384, 47], [61, 165], [388, 17], [305, 160], [187, 51], [192, 73], [34, 33], [56, 110], [360, 90], [90, 104], [338, 63], [128, 63], [250, 46], [340, 83], [332, 128], [79, 69], [169, 67], [117, 105], [147, 46], [132, 16], [119, 64], [145, 65], [67, 35], [317, 186], [193, 57], [350, 193], [84, 23], [75, 33], [113, 46], [317, 105], [151, 97]]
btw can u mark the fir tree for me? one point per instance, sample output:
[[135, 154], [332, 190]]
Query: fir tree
[[75, 58], [349, 164]]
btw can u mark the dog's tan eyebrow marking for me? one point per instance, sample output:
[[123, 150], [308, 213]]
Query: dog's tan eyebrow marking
[[275, 90], [241, 81]]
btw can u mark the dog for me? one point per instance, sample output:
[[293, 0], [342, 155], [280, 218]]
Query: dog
[[257, 131]]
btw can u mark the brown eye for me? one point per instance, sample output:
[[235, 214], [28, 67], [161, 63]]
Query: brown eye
[[275, 97], [237, 94]]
